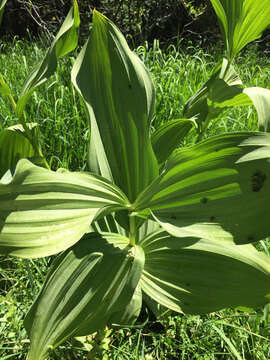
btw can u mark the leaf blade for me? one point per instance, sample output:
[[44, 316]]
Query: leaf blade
[[119, 97], [64, 42], [214, 189], [241, 21], [100, 279], [44, 212], [168, 136], [201, 276]]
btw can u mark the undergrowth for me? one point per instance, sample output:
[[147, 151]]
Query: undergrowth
[[177, 73]]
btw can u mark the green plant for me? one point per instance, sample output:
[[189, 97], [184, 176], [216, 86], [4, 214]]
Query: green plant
[[2, 7], [136, 227]]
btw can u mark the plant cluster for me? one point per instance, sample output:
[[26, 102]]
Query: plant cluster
[[148, 221]]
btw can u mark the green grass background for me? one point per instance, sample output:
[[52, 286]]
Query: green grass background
[[178, 73]]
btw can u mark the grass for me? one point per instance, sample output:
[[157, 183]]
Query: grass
[[177, 73]]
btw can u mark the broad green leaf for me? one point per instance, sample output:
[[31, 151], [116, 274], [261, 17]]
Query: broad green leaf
[[201, 276], [2, 7], [44, 212], [168, 136], [14, 146], [119, 97], [94, 279], [107, 224], [197, 105], [218, 188], [64, 42], [128, 316], [241, 21], [222, 95]]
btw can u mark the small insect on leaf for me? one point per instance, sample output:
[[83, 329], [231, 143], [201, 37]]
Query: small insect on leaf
[[257, 181]]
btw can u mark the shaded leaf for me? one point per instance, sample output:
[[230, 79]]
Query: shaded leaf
[[2, 7], [128, 316], [168, 136]]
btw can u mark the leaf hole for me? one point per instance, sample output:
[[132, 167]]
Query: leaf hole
[[257, 181], [204, 200]]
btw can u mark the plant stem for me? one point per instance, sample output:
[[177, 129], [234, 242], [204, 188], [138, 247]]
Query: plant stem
[[132, 230], [12, 101]]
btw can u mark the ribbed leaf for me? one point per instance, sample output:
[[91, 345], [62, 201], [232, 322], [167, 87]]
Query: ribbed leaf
[[119, 97], [197, 104], [216, 188], [241, 21], [93, 279], [222, 95], [128, 316], [44, 212], [203, 276], [64, 42], [168, 136], [14, 146]]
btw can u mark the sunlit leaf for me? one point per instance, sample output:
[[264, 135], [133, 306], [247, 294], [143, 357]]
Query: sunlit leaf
[[197, 106], [94, 279], [44, 212], [119, 96], [201, 276], [218, 188], [14, 146], [221, 96], [241, 21], [64, 42]]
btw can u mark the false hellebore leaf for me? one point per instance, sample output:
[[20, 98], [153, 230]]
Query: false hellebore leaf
[[218, 188], [119, 96], [203, 276], [44, 212], [14, 145], [64, 42], [197, 106], [94, 279], [168, 136], [221, 95], [241, 21]]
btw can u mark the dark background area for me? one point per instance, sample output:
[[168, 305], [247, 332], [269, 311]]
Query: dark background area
[[139, 20]]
